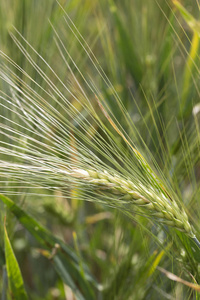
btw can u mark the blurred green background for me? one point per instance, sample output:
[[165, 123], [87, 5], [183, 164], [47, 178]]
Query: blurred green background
[[150, 52]]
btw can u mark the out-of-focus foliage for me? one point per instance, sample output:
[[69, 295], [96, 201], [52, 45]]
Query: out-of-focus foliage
[[149, 50]]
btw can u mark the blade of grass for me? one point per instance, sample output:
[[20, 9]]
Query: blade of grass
[[131, 58], [64, 260], [192, 57], [15, 279]]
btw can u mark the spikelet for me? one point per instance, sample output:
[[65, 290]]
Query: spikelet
[[158, 205]]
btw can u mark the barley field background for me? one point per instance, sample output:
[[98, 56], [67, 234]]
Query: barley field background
[[99, 149]]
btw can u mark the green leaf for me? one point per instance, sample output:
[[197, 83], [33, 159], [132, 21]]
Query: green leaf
[[14, 274], [66, 263]]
